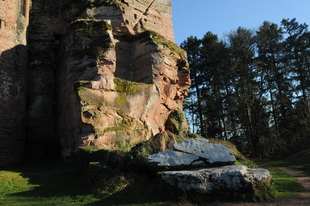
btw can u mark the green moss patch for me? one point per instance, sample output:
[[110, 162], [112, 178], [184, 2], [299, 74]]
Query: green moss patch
[[127, 86], [160, 40], [175, 123]]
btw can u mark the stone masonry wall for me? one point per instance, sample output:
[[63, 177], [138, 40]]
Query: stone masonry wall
[[13, 56], [45, 31]]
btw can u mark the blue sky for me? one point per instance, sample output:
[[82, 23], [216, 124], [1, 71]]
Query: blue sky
[[196, 17]]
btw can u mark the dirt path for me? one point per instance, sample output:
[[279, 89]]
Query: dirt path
[[302, 199]]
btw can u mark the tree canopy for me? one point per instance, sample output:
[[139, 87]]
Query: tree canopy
[[253, 88]]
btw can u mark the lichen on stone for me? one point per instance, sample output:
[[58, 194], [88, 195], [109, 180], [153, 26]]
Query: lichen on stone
[[127, 86]]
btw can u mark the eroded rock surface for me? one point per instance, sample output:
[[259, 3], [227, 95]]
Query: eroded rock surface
[[119, 81], [233, 178], [104, 73]]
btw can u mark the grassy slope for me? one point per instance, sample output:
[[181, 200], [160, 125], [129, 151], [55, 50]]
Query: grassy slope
[[299, 161], [284, 184]]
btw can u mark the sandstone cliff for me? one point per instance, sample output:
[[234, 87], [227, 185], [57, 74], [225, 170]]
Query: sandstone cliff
[[104, 73], [119, 80]]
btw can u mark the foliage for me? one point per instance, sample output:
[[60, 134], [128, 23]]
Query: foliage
[[253, 88]]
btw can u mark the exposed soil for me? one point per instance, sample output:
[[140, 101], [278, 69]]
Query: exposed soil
[[301, 199]]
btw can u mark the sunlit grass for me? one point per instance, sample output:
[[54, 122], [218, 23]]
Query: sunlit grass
[[283, 183]]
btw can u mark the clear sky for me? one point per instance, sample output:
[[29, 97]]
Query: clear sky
[[196, 17]]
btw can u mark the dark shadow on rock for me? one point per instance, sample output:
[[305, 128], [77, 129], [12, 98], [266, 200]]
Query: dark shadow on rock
[[13, 101]]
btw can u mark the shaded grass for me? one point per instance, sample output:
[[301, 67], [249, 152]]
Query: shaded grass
[[49, 182], [299, 161], [53, 182]]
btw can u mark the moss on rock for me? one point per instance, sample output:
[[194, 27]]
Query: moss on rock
[[175, 122], [160, 40], [127, 86]]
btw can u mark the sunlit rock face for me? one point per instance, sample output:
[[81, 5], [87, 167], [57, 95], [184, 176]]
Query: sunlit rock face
[[120, 74]]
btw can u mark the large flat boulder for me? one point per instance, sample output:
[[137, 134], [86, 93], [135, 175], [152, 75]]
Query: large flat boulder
[[194, 153], [212, 153], [232, 178], [174, 158]]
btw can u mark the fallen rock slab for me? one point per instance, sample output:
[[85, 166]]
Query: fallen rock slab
[[192, 153], [232, 178], [174, 158], [212, 153]]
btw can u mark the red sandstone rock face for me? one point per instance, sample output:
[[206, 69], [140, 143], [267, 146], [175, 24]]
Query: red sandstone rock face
[[13, 25], [116, 83], [133, 17], [119, 82]]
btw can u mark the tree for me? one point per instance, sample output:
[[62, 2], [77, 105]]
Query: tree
[[253, 89], [192, 46]]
